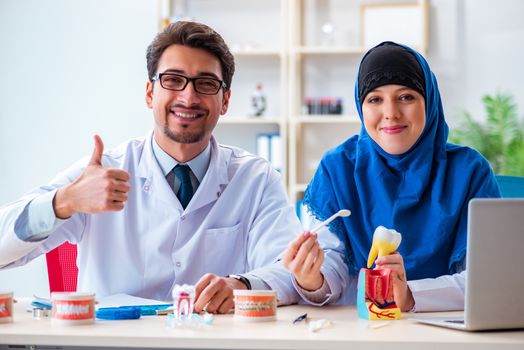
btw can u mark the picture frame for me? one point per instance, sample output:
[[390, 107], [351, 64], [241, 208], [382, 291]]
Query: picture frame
[[404, 23]]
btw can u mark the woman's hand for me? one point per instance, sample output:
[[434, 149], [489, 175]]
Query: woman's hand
[[394, 262], [304, 258]]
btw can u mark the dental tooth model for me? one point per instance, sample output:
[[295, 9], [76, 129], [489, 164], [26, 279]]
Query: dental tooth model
[[375, 298], [385, 242]]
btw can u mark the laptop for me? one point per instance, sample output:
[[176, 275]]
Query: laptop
[[494, 296]]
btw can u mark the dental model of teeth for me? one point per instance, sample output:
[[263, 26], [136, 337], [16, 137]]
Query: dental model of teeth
[[385, 242]]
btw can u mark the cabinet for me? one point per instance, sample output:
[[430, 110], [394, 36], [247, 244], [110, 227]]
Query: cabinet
[[300, 51]]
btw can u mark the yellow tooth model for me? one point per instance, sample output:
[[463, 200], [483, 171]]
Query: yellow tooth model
[[375, 299], [385, 242]]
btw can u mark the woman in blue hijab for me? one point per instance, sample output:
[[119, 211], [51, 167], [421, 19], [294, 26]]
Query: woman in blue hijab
[[401, 173]]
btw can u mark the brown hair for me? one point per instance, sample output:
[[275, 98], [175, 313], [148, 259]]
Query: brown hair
[[194, 35]]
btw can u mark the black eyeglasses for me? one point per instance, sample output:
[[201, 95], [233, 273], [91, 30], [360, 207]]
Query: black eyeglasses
[[178, 82]]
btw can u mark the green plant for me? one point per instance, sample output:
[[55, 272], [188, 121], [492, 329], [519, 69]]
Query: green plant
[[500, 139]]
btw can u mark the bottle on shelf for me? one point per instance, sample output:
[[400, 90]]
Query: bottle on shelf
[[258, 101]]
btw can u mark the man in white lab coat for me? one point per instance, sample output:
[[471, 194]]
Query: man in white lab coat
[[173, 207]]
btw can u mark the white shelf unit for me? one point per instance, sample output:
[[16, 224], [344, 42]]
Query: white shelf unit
[[326, 44], [296, 49]]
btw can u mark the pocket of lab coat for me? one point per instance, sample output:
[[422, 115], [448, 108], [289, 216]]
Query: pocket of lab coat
[[225, 250]]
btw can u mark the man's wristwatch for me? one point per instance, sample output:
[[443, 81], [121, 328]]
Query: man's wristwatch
[[241, 279]]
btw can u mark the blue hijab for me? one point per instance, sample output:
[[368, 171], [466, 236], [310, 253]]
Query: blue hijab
[[422, 193]]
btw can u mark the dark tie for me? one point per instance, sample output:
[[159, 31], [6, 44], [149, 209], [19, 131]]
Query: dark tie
[[185, 192]]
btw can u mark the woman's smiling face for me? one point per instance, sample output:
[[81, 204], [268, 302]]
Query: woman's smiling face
[[394, 117]]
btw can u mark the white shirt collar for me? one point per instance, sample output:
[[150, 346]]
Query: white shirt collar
[[198, 165]]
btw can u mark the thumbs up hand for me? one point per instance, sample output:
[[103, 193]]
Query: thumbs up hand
[[97, 190], [96, 157]]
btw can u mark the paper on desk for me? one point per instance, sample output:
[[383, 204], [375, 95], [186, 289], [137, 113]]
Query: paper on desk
[[122, 299]]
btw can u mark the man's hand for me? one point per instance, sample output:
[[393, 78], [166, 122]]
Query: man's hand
[[304, 258], [97, 190], [395, 262], [214, 294]]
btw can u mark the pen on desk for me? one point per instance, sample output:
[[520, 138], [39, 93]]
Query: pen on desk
[[300, 318]]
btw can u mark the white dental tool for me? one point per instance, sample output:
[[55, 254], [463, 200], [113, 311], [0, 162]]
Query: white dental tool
[[342, 212]]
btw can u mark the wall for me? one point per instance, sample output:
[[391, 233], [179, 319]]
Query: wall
[[69, 69], [476, 48], [72, 68]]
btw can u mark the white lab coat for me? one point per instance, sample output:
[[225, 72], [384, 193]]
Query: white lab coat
[[238, 221]]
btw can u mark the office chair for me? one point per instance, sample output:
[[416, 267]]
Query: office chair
[[62, 271], [511, 186]]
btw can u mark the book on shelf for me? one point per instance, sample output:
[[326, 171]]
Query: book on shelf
[[269, 147]]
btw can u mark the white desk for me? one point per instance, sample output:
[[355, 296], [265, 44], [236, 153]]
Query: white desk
[[346, 332]]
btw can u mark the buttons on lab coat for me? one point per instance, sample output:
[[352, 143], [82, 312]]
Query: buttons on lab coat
[[178, 264]]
